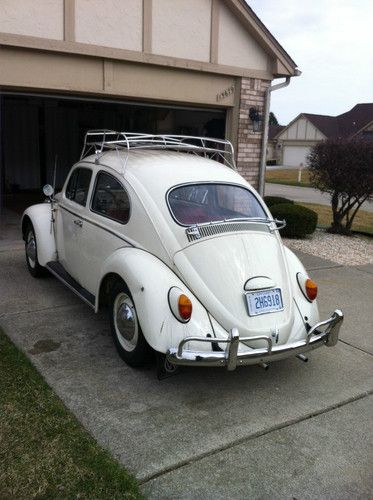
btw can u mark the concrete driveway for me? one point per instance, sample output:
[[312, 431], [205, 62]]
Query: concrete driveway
[[298, 430]]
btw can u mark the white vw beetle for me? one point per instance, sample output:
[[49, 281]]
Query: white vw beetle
[[165, 232]]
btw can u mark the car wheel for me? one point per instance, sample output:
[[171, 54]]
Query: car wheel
[[128, 337], [36, 270]]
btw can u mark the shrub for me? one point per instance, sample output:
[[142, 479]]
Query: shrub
[[344, 169], [275, 200], [300, 221]]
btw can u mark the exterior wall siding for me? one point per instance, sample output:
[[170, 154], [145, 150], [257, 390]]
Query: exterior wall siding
[[249, 143]]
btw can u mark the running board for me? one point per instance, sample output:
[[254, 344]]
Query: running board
[[60, 272]]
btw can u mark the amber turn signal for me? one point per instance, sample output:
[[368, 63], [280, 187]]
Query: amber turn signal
[[185, 307], [311, 289]]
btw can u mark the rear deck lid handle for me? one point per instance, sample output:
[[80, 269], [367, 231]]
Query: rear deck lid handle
[[259, 283]]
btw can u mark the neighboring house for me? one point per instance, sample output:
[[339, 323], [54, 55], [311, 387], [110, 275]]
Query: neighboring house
[[273, 151], [292, 144], [159, 66]]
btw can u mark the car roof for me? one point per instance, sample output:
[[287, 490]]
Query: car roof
[[159, 170]]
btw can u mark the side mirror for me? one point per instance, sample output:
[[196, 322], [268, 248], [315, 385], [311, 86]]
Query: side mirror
[[48, 190]]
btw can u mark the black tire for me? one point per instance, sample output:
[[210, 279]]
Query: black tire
[[125, 328], [31, 251]]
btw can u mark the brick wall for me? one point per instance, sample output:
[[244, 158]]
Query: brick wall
[[249, 142]]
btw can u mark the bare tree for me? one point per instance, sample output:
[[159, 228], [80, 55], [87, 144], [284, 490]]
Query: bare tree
[[344, 169]]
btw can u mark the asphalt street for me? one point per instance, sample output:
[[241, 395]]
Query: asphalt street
[[298, 430], [305, 194]]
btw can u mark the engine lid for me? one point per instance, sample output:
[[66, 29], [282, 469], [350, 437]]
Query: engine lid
[[222, 269]]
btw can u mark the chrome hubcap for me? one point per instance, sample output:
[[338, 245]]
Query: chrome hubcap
[[125, 322], [31, 249]]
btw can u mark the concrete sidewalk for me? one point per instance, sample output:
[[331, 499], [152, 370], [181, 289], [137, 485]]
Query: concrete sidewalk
[[298, 430]]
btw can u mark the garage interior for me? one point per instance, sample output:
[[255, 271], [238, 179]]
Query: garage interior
[[38, 128]]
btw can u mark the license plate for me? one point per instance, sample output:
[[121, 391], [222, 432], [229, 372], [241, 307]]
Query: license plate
[[264, 302]]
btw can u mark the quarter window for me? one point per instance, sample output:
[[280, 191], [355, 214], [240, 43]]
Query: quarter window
[[78, 186], [111, 199]]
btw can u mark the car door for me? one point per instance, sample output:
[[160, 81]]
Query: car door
[[71, 220], [105, 227]]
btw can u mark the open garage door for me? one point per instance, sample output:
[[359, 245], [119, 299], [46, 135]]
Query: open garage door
[[36, 128], [295, 155]]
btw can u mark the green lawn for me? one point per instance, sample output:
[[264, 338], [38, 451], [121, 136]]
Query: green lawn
[[288, 177], [44, 450], [363, 220]]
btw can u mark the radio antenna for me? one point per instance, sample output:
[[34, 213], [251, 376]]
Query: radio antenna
[[54, 173]]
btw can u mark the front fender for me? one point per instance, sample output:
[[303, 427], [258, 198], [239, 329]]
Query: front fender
[[149, 281], [40, 217]]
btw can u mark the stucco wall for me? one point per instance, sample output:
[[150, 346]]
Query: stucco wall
[[112, 23], [182, 29], [236, 47], [27, 17]]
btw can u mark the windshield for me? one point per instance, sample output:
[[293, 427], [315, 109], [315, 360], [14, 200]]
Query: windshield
[[199, 203]]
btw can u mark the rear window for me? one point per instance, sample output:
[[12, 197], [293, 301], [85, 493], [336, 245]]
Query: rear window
[[199, 203]]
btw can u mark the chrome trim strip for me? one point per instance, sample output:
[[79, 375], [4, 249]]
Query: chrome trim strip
[[95, 224], [230, 358]]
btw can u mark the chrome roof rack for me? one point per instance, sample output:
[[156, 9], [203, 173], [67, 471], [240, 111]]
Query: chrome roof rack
[[101, 141]]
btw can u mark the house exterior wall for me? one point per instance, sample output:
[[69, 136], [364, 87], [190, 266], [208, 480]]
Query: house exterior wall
[[235, 47], [40, 19], [301, 130], [249, 142], [112, 23], [200, 52], [184, 31], [296, 141]]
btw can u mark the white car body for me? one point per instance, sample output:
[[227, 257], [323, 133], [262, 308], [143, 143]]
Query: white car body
[[157, 258]]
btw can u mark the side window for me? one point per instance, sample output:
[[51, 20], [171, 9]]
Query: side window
[[110, 199], [78, 185]]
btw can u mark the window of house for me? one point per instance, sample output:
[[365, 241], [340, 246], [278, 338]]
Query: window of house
[[110, 199]]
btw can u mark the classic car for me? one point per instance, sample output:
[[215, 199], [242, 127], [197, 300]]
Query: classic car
[[185, 254]]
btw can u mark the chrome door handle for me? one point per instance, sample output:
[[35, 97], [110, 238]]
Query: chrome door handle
[[78, 222]]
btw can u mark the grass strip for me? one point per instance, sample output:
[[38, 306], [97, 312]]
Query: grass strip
[[363, 220], [288, 177], [44, 451]]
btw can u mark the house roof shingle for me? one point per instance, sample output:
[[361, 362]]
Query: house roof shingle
[[343, 126], [273, 130]]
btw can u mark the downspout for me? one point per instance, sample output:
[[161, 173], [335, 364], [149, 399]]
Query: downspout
[[267, 102]]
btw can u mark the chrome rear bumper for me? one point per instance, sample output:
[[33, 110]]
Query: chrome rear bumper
[[231, 358]]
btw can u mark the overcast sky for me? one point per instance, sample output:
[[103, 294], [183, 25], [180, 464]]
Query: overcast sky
[[332, 43]]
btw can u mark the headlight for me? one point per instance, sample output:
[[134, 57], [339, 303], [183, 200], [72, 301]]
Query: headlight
[[307, 286], [180, 305]]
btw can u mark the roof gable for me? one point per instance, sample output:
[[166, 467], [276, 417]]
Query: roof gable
[[344, 126]]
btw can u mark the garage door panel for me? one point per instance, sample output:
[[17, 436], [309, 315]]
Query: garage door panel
[[295, 155]]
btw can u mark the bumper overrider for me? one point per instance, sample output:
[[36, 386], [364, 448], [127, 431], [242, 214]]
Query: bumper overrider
[[323, 333]]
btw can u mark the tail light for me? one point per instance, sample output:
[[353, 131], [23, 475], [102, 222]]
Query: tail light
[[311, 289], [180, 304], [307, 286]]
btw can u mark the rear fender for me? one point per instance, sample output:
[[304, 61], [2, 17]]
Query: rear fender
[[149, 281], [307, 309], [40, 217]]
